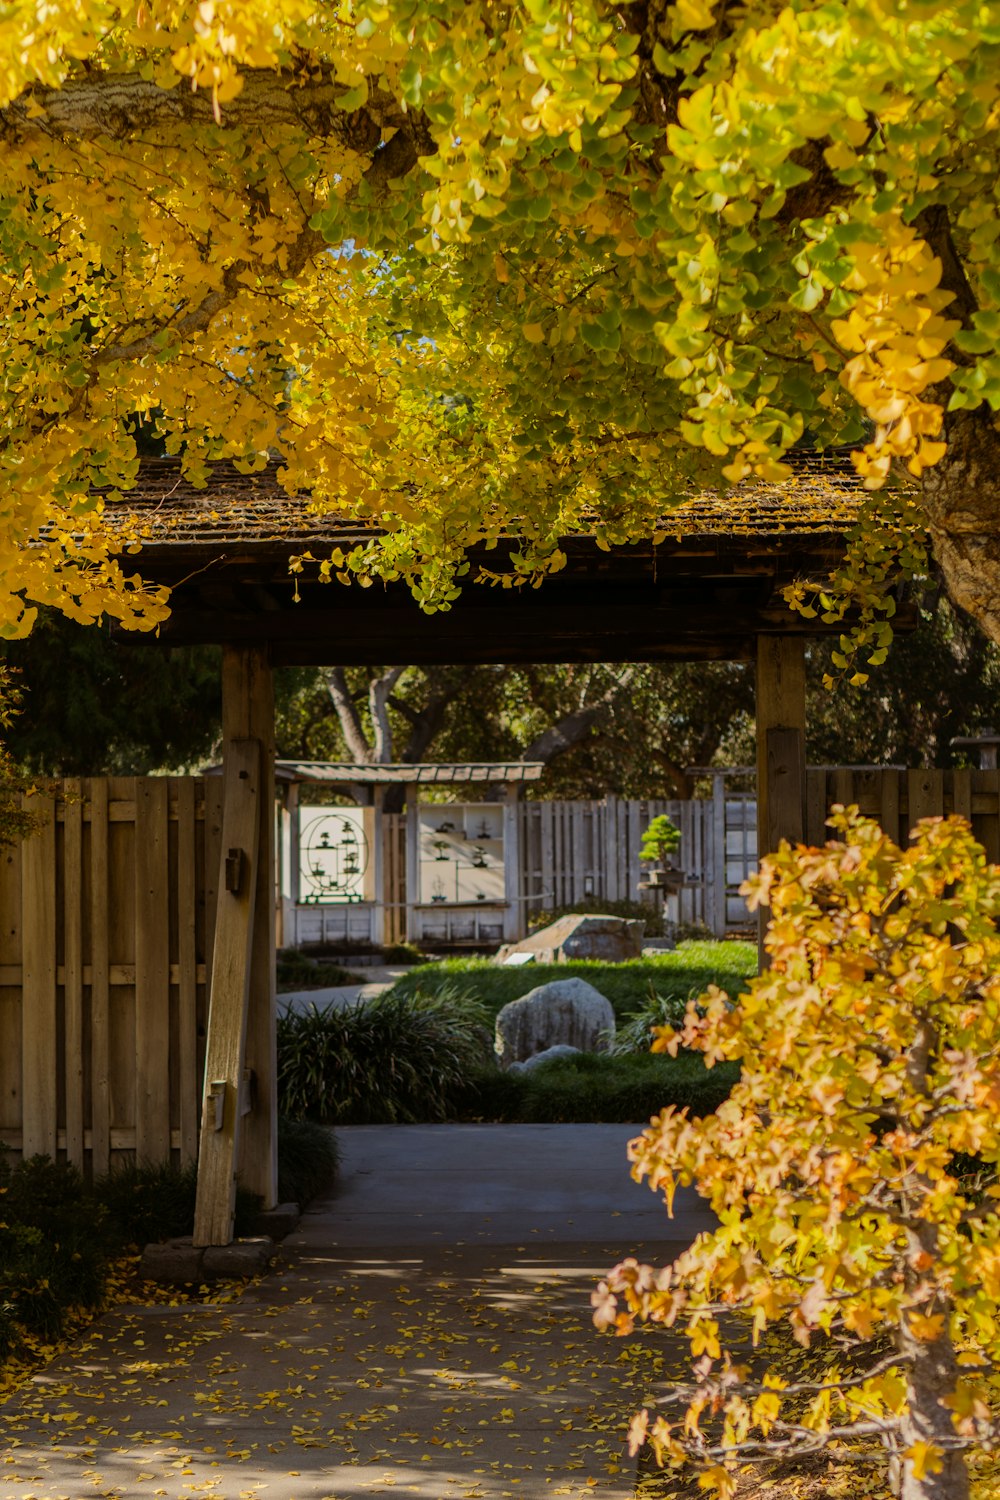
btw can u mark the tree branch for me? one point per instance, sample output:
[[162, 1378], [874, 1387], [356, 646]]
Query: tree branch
[[121, 105], [347, 713], [379, 693]]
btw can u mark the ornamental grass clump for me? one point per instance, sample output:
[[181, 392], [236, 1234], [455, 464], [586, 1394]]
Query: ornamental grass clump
[[853, 1170], [391, 1059]]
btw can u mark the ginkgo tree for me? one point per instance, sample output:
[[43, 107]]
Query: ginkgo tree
[[478, 271], [853, 1170]]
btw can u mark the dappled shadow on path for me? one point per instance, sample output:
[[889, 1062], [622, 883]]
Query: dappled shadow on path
[[431, 1373]]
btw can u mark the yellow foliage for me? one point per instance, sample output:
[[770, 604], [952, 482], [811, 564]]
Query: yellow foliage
[[869, 1070], [479, 271]]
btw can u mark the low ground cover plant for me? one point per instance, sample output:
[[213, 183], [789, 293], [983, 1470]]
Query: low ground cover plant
[[855, 1171], [424, 1050]]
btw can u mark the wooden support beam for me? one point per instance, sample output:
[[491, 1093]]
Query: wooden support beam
[[231, 973], [781, 743], [248, 713]]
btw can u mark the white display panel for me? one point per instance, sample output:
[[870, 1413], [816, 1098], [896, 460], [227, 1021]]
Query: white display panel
[[461, 854], [335, 855]]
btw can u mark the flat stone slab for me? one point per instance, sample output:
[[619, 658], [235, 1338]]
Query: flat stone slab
[[181, 1263], [609, 939]]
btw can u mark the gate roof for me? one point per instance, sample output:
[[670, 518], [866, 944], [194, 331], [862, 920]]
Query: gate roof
[[705, 591]]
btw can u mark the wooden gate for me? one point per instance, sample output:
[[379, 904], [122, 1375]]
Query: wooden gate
[[105, 930]]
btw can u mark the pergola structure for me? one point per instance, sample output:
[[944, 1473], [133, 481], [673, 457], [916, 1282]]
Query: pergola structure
[[711, 590], [367, 784]]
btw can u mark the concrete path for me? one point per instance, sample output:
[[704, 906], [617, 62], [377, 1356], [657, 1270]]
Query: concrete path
[[378, 979], [427, 1334]]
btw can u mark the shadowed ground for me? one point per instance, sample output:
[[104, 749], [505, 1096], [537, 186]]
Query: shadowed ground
[[427, 1332]]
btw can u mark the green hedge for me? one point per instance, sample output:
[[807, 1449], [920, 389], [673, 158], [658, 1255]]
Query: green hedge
[[595, 1088]]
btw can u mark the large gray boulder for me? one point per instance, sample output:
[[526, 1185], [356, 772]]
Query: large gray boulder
[[610, 939], [567, 1012]]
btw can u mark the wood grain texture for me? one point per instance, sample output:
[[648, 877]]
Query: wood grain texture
[[187, 972], [152, 970], [100, 980], [38, 1014], [73, 923], [230, 995]]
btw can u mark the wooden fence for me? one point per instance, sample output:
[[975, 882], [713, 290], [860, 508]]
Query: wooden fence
[[899, 798], [576, 851], [106, 926], [106, 921]]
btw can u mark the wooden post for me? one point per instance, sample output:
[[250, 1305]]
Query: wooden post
[[781, 743], [412, 933], [513, 917], [231, 979], [376, 853], [248, 714], [719, 918]]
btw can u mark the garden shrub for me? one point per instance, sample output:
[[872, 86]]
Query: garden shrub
[[393, 1058], [144, 1202], [54, 1246]]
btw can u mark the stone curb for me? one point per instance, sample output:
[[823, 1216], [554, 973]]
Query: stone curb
[[180, 1263]]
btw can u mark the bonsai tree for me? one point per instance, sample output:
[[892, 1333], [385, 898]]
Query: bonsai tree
[[659, 840], [853, 1171]]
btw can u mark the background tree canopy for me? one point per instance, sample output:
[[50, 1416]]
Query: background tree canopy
[[478, 270], [99, 704]]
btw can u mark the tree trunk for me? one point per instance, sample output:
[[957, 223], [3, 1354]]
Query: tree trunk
[[932, 1377], [961, 498]]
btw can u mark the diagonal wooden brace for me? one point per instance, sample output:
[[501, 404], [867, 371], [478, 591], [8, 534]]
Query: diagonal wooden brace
[[228, 1003]]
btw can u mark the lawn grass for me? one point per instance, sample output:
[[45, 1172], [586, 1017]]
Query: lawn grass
[[687, 970]]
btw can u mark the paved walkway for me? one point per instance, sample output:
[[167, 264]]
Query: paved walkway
[[427, 1333], [377, 979]]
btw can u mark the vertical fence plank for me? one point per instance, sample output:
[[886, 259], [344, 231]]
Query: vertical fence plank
[[187, 971], [719, 919], [100, 1058], [612, 851], [72, 893], [961, 793], [842, 786], [11, 1000], [925, 795], [152, 970], [38, 1015], [987, 784], [579, 851], [548, 858], [889, 804], [816, 806]]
